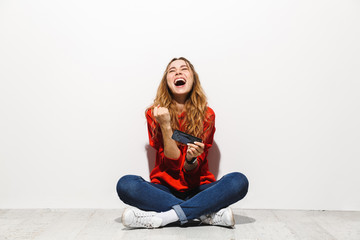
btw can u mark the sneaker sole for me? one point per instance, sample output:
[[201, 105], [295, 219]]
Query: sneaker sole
[[232, 219]]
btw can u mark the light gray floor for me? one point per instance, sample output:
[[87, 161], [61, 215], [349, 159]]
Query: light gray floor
[[250, 224]]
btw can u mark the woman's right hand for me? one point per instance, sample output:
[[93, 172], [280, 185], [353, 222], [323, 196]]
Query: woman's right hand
[[162, 116]]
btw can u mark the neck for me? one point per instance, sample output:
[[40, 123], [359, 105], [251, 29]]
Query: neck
[[180, 104], [180, 99], [180, 107]]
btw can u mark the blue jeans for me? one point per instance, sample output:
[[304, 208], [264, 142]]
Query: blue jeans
[[207, 198]]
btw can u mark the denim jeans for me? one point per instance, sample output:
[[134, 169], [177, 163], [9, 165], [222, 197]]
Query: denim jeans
[[207, 198]]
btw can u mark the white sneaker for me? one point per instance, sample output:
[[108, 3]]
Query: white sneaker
[[224, 217], [136, 218]]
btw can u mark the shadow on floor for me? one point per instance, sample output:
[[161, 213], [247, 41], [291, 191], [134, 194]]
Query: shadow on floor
[[239, 220], [243, 219]]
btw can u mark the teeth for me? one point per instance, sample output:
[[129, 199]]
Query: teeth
[[179, 79], [180, 82]]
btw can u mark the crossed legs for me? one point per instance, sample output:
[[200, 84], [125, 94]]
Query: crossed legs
[[135, 191]]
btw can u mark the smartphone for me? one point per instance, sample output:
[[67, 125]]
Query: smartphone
[[184, 138]]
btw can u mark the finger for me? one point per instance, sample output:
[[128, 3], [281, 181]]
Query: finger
[[190, 154], [163, 110], [195, 151], [200, 147], [191, 145], [197, 147], [189, 151], [159, 110], [198, 151], [192, 150], [200, 144]]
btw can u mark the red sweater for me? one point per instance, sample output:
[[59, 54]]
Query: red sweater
[[171, 172]]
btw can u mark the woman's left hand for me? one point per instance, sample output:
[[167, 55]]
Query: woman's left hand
[[194, 150]]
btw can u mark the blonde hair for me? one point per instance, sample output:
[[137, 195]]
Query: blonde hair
[[195, 104]]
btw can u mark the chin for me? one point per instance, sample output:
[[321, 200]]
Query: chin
[[182, 93]]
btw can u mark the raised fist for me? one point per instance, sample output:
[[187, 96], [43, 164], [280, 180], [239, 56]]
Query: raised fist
[[162, 115]]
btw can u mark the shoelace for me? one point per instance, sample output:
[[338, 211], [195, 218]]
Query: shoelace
[[213, 218], [209, 218], [144, 219], [216, 219]]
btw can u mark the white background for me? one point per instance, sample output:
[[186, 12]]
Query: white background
[[282, 76]]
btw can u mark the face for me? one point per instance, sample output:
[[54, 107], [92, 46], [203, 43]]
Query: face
[[179, 78]]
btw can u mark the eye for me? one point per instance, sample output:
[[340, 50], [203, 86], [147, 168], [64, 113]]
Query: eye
[[171, 70], [184, 69]]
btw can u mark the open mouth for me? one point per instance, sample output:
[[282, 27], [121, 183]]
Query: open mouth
[[180, 82]]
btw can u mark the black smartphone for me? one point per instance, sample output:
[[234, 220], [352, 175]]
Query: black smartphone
[[184, 138]]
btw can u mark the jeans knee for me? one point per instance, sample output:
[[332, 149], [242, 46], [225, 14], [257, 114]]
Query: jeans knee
[[125, 184], [239, 183]]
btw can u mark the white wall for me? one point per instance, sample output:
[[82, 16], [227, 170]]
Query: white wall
[[282, 77]]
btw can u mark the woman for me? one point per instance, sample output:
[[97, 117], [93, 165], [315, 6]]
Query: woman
[[182, 188]]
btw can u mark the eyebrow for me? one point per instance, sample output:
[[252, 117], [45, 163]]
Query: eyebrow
[[180, 67]]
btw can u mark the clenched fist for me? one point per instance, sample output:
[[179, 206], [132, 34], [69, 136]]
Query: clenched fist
[[162, 116]]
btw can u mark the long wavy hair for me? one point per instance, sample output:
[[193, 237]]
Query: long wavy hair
[[195, 104]]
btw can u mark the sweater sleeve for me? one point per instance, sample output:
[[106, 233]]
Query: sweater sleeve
[[156, 141]]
